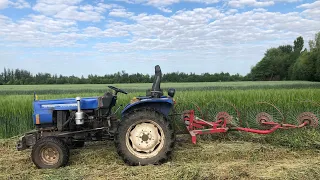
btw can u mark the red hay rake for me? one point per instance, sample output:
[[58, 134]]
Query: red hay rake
[[222, 122]]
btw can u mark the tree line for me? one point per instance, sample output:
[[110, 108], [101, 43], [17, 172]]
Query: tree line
[[286, 62], [24, 77], [290, 62]]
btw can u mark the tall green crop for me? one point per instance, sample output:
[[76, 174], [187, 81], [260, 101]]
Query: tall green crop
[[16, 110]]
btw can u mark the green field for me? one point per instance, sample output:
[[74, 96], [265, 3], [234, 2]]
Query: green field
[[289, 97], [90, 88], [291, 154]]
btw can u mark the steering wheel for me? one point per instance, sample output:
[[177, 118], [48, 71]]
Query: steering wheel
[[117, 89]]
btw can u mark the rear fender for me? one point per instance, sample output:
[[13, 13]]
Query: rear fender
[[162, 105]]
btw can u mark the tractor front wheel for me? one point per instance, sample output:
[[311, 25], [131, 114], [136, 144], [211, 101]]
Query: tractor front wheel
[[50, 152], [144, 137]]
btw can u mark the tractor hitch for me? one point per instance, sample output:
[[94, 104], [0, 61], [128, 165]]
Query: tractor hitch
[[26, 141]]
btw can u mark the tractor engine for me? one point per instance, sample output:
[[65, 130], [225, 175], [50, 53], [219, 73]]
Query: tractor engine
[[89, 117]]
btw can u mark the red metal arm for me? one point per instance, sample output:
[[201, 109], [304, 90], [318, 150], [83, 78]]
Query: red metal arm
[[198, 126], [257, 131]]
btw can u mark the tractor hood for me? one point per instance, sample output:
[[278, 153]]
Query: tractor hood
[[66, 104], [43, 108]]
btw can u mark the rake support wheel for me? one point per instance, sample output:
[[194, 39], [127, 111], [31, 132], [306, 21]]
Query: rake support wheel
[[263, 117], [309, 117], [223, 116]]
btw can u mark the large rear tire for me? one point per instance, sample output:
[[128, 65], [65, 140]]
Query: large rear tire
[[144, 136], [50, 153]]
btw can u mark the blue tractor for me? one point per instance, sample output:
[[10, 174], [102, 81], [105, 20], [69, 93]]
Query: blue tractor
[[143, 135]]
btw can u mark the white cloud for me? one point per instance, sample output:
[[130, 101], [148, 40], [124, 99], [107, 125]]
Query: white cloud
[[109, 32], [209, 34], [259, 10], [72, 9], [193, 30], [51, 25], [313, 5], [165, 3], [231, 11], [166, 10], [48, 7], [312, 13], [209, 30], [4, 4], [20, 4], [289, 1], [312, 10], [74, 13], [197, 16], [33, 32], [253, 3], [161, 3], [120, 13], [204, 1]]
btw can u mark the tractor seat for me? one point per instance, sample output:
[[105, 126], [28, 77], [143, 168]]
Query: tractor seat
[[151, 93], [156, 91]]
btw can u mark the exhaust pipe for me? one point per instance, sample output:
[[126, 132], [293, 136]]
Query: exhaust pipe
[[79, 114]]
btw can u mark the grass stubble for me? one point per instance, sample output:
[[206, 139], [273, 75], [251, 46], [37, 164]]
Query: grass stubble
[[231, 156]]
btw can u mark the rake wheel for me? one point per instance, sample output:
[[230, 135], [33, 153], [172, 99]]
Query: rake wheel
[[223, 116], [308, 117], [264, 117]]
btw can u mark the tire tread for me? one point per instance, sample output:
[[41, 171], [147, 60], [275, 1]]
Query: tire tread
[[50, 139]]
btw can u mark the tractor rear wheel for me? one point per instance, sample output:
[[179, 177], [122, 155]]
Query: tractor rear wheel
[[144, 136], [50, 152]]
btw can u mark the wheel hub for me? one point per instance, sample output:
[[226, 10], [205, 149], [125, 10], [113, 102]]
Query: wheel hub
[[145, 137], [263, 117], [49, 155]]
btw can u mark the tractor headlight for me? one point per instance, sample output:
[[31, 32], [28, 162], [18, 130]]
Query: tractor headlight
[[171, 92]]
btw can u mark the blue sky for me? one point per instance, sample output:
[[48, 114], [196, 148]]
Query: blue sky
[[81, 37]]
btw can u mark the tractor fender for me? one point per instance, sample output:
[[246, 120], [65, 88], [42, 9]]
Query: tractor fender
[[162, 105]]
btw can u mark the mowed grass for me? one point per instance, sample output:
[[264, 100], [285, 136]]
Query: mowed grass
[[219, 158]]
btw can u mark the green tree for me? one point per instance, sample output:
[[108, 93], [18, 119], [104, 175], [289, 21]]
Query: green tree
[[298, 44], [315, 51], [271, 66], [304, 68]]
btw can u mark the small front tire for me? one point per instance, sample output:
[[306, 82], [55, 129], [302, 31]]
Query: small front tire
[[50, 153]]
